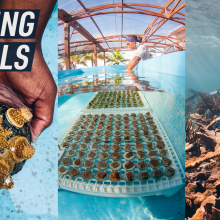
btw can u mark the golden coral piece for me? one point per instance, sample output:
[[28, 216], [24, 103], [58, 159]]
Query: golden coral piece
[[17, 117], [16, 148], [3, 143], [6, 182], [4, 167], [20, 148]]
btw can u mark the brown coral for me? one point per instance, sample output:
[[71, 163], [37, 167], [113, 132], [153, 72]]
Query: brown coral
[[195, 161], [20, 148], [17, 117], [16, 149]]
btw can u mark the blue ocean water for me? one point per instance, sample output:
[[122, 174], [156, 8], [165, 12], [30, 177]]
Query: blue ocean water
[[202, 45]]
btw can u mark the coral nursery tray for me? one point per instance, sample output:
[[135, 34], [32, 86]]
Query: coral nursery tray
[[138, 186], [120, 107]]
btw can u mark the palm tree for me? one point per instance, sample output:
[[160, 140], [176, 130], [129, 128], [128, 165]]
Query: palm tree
[[116, 58], [91, 57], [76, 60]]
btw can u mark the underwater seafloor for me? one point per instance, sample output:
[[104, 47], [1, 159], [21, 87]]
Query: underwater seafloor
[[202, 163]]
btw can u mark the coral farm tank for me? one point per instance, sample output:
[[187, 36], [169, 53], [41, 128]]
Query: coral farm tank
[[15, 139]]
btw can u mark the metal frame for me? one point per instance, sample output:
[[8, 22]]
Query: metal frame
[[161, 44]]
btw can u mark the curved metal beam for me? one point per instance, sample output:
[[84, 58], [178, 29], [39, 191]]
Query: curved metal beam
[[125, 5], [93, 11], [151, 13]]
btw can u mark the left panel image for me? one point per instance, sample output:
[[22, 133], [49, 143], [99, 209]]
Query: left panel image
[[28, 110]]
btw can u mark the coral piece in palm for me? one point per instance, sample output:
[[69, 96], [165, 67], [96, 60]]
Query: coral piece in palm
[[16, 149], [17, 117]]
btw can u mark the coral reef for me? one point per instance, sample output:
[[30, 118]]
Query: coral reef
[[202, 177], [16, 148]]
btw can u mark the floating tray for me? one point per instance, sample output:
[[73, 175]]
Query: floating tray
[[166, 186], [120, 109]]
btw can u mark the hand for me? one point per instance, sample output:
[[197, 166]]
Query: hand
[[37, 90]]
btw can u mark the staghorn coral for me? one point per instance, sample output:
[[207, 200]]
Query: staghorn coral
[[16, 149]]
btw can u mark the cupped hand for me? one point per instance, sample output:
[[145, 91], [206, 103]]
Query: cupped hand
[[37, 90]]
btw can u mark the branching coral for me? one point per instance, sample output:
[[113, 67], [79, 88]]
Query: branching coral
[[16, 149]]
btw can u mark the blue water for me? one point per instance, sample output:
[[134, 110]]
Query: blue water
[[166, 73], [172, 117], [202, 45]]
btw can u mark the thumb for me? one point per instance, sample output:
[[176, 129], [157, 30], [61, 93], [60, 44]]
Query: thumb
[[43, 113]]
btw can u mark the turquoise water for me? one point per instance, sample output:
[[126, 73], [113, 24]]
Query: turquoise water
[[164, 73], [34, 195], [170, 111], [202, 46]]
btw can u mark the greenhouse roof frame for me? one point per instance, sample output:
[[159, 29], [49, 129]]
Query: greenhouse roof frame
[[164, 34]]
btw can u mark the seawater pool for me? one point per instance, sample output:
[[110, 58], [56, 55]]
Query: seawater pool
[[170, 111], [145, 77]]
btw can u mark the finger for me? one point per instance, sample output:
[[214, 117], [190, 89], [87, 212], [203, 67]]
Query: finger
[[43, 110]]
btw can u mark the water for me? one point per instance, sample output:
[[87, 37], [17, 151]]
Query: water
[[153, 207], [202, 45], [112, 80]]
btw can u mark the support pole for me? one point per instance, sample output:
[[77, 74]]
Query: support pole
[[105, 73], [95, 54], [67, 45]]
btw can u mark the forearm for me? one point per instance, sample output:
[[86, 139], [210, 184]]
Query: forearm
[[132, 63], [46, 9]]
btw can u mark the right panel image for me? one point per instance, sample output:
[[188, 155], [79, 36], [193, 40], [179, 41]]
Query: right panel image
[[202, 148]]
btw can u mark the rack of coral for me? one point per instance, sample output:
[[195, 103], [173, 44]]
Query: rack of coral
[[118, 154], [116, 101]]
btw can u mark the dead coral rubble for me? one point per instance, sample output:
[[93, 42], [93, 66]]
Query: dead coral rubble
[[202, 178]]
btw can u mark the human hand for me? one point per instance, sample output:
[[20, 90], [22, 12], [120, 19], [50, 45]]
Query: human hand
[[37, 90]]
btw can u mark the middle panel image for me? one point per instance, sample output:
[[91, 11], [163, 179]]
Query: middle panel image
[[121, 110]]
